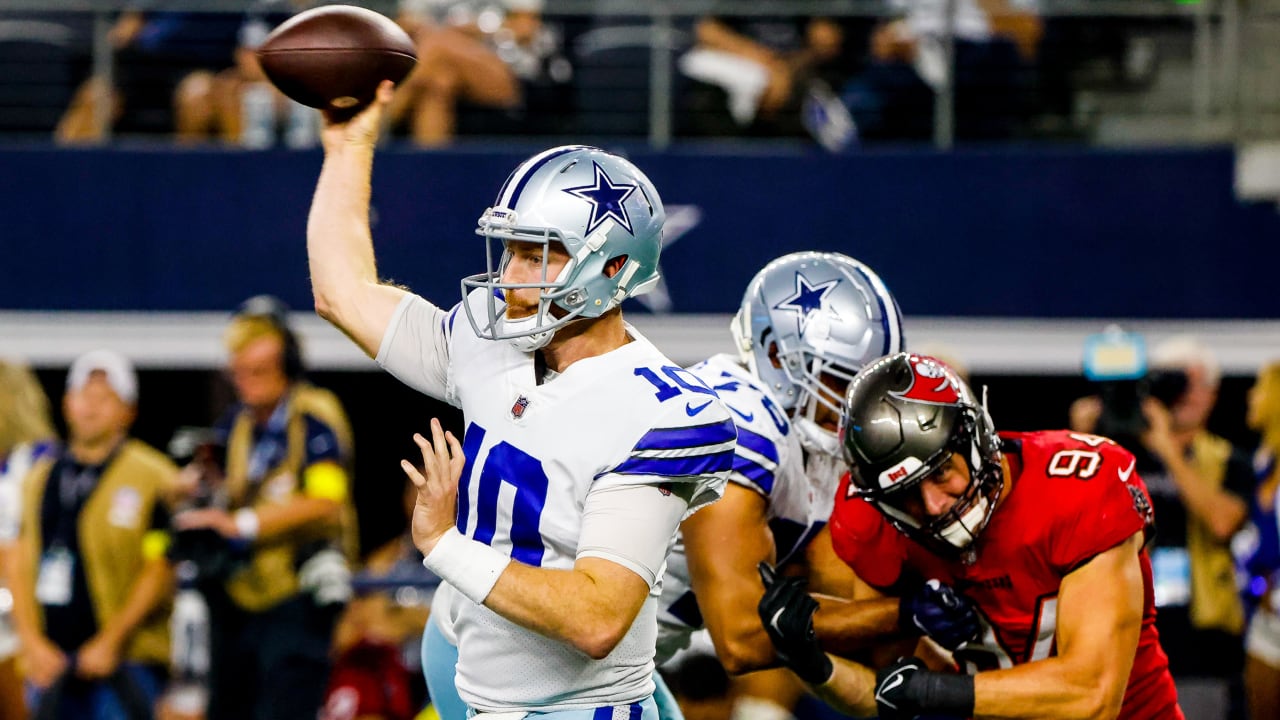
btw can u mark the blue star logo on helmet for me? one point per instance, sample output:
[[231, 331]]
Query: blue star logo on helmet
[[606, 200], [808, 299]]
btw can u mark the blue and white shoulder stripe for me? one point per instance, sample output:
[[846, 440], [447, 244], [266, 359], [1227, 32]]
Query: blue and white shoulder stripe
[[762, 427], [756, 461], [685, 451]]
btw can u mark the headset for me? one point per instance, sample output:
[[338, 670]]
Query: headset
[[276, 311]]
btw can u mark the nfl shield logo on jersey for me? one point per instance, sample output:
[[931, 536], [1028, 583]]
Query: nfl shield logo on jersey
[[517, 410]]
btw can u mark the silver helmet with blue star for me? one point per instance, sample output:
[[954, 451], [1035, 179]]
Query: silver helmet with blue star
[[809, 322], [599, 207]]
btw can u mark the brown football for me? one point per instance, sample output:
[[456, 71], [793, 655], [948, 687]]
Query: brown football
[[334, 56]]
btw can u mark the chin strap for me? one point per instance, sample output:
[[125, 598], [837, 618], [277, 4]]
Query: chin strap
[[529, 338], [962, 532], [815, 438], [532, 340]]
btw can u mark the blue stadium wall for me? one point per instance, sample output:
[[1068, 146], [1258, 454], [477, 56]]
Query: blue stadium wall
[[1048, 233]]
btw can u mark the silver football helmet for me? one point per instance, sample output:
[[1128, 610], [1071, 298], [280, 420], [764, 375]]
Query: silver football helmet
[[599, 207], [906, 416], [812, 314]]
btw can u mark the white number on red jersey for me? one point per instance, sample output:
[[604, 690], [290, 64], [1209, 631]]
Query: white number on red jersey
[[988, 653], [1082, 464]]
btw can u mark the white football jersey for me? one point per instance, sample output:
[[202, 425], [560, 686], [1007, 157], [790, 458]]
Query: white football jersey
[[533, 453], [13, 469], [768, 460]]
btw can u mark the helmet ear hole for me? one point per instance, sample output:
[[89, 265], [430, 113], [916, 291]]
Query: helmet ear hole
[[773, 355], [615, 264]]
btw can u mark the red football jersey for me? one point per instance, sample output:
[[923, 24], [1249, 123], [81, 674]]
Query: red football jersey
[[1073, 496]]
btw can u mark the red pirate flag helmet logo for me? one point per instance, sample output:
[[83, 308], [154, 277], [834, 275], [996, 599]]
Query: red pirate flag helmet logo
[[931, 382]]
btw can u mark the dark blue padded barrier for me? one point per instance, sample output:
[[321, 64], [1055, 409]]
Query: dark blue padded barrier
[[1002, 233]]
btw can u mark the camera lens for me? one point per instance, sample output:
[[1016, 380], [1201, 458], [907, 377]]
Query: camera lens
[[1167, 386]]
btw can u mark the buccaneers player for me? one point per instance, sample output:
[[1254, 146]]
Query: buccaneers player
[[1043, 531]]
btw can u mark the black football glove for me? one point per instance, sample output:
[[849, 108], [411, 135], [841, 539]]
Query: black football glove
[[787, 613], [894, 701], [940, 612], [907, 689]]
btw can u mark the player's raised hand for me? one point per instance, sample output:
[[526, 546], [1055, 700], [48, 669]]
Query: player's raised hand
[[436, 508], [362, 129], [940, 612], [1158, 437], [787, 613]]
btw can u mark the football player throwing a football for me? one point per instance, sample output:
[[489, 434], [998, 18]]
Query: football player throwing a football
[[584, 447]]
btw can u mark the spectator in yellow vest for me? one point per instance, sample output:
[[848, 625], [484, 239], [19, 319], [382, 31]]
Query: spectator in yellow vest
[[90, 579]]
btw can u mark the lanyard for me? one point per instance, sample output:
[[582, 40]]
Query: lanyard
[[270, 445], [76, 483]]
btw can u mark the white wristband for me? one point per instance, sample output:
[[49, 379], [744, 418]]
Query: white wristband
[[246, 524], [471, 567]]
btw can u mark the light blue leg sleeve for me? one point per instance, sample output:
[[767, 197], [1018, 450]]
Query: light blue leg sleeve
[[440, 664], [668, 709]]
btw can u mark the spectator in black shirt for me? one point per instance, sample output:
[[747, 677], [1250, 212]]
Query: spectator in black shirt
[[765, 68]]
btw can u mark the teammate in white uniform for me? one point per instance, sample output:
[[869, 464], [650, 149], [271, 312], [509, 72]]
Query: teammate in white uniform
[[13, 468], [584, 447], [26, 435], [808, 322]]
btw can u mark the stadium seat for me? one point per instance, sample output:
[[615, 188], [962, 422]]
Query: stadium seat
[[614, 78], [41, 64]]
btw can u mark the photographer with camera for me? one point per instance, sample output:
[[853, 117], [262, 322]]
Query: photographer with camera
[[288, 521], [202, 560], [1200, 487]]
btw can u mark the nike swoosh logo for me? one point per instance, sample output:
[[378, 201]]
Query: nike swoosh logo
[[774, 620], [690, 410], [1124, 474], [746, 417], [888, 686]]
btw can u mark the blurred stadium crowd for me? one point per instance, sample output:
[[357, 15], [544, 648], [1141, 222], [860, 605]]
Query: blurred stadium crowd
[[867, 72]]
